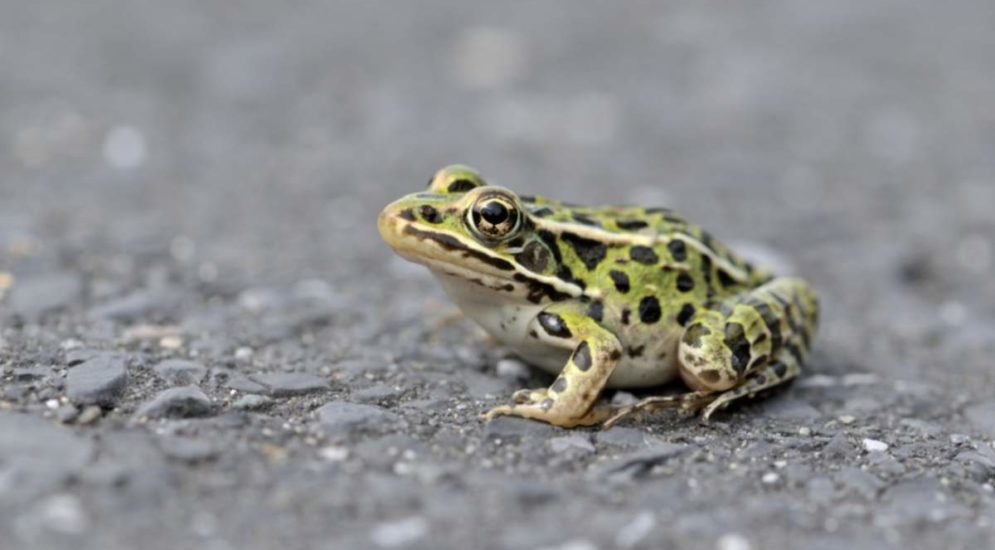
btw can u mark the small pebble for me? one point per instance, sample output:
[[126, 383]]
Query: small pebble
[[334, 453], [875, 446], [512, 369], [251, 402], [733, 541], [394, 534], [89, 415], [847, 419], [771, 478], [805, 431], [171, 342]]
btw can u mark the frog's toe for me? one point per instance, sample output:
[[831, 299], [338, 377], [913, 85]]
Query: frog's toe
[[525, 396], [503, 410]]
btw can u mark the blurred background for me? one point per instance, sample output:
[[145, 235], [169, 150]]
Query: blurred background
[[187, 152], [259, 141]]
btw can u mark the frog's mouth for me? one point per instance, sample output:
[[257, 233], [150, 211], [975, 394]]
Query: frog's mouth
[[437, 249], [454, 258]]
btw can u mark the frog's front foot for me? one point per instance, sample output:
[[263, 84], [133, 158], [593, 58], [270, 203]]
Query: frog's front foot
[[545, 412]]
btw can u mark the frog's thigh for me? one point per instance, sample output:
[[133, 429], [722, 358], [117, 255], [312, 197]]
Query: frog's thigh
[[749, 343], [569, 401], [723, 345]]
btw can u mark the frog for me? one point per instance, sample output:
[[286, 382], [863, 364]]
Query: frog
[[605, 297]]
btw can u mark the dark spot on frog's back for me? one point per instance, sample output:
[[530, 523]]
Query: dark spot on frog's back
[[685, 283], [596, 311], [553, 325], [678, 250], [590, 252], [685, 314], [725, 279], [644, 255], [631, 225], [542, 212], [620, 280], [649, 310], [534, 257], [585, 220]]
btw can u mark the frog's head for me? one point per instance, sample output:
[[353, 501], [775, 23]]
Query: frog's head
[[464, 228]]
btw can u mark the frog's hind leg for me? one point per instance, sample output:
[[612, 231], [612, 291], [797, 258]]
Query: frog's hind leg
[[781, 371], [741, 346]]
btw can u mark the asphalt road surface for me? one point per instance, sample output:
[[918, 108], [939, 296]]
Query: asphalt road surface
[[205, 344]]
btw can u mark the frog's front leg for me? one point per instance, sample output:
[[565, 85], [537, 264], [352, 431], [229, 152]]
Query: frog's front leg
[[569, 401]]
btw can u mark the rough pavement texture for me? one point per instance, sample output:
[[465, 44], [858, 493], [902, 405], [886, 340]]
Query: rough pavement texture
[[200, 181]]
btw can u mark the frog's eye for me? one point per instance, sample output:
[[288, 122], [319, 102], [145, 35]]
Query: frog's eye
[[495, 217], [455, 179]]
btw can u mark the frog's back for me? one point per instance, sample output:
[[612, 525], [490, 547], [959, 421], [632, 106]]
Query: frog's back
[[676, 244]]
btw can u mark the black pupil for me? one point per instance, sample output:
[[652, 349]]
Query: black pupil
[[494, 212]]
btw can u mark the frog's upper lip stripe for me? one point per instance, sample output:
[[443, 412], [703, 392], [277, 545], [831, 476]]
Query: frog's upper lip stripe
[[451, 243]]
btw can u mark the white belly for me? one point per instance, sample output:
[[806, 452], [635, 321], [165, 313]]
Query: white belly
[[509, 319]]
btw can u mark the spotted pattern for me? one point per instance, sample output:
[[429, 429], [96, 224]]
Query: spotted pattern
[[590, 252], [429, 214], [735, 340], [685, 314], [534, 257], [685, 283], [649, 310], [620, 280], [582, 357], [631, 225], [596, 311], [554, 325], [678, 250], [644, 255]]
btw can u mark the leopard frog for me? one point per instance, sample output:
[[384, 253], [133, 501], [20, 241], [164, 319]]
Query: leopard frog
[[604, 297]]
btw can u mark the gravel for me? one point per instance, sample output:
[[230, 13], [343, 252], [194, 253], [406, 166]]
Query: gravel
[[180, 372], [182, 402], [98, 381], [205, 344]]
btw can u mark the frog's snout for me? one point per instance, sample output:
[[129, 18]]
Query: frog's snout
[[388, 222]]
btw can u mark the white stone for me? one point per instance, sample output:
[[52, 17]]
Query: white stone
[[334, 454], [394, 534], [512, 369], [733, 541], [875, 446]]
